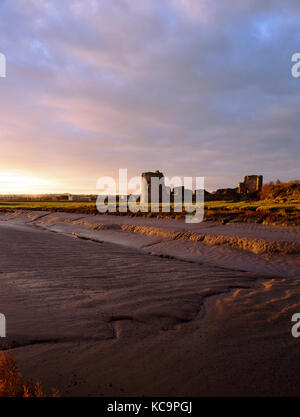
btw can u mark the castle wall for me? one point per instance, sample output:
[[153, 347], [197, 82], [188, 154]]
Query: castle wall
[[251, 184], [153, 187]]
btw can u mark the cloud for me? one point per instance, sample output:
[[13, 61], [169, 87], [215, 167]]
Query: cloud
[[191, 88]]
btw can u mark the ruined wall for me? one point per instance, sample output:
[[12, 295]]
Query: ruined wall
[[251, 184], [155, 187]]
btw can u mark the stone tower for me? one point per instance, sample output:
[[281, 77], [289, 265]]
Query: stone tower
[[251, 184], [153, 184]]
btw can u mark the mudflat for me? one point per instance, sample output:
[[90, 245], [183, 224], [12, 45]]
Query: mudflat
[[107, 310]]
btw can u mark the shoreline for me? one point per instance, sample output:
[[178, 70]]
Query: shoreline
[[266, 212], [271, 250]]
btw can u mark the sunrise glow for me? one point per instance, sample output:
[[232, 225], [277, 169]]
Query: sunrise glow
[[15, 182]]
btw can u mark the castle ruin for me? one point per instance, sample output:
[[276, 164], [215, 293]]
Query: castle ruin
[[153, 187], [154, 190], [252, 184]]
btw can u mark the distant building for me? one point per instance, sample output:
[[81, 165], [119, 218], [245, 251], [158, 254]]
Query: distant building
[[154, 190], [252, 184], [180, 194], [73, 197], [153, 187]]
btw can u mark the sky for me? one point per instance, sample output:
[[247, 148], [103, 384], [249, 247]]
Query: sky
[[189, 87]]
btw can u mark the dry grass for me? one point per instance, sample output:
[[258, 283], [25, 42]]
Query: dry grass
[[283, 208], [283, 191], [12, 382]]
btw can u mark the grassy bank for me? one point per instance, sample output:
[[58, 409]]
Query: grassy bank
[[262, 211]]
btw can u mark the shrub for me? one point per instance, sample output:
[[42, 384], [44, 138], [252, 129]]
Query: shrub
[[12, 382], [281, 191]]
